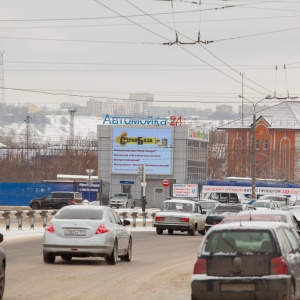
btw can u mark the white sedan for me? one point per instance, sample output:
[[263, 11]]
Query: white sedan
[[180, 215], [87, 231]]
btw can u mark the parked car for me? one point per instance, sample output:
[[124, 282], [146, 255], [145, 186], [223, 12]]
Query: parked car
[[225, 197], [207, 205], [2, 268], [280, 199], [122, 200], [56, 200], [265, 205], [217, 214], [252, 260], [266, 215], [180, 215], [295, 203], [84, 231]]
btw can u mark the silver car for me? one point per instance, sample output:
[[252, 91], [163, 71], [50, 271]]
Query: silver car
[[181, 215], [85, 231], [122, 200]]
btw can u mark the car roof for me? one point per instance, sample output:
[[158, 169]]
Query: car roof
[[265, 212], [252, 217], [244, 225], [208, 200], [179, 200], [85, 207]]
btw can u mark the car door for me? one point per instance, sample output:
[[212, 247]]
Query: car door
[[47, 201], [294, 257], [118, 228], [58, 198], [200, 217]]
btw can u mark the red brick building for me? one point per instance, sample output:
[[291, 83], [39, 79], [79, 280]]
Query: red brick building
[[277, 143]]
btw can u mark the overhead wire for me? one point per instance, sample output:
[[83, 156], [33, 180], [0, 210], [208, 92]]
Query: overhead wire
[[236, 80]]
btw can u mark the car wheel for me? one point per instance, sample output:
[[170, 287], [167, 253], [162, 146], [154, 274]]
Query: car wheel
[[126, 205], [48, 258], [133, 204], [192, 231], [35, 206], [159, 231], [127, 257], [112, 259], [2, 280], [170, 231], [202, 232], [66, 257]]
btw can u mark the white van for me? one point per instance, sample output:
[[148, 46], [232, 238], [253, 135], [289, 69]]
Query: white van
[[226, 197]]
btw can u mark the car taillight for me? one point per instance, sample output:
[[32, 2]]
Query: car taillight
[[159, 218], [49, 228], [102, 229], [73, 201], [200, 266], [278, 266], [187, 220], [214, 222]]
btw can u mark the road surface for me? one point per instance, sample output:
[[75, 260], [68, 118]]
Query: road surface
[[161, 268]]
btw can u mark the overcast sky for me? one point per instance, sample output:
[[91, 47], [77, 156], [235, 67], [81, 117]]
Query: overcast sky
[[110, 48]]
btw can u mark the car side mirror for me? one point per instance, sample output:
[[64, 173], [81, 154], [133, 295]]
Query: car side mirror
[[126, 222], [203, 212], [1, 237]]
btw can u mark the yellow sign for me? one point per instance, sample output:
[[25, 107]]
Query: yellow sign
[[123, 139]]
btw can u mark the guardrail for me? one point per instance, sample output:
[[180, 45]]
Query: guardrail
[[44, 215]]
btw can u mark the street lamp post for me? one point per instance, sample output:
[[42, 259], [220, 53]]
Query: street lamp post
[[89, 172], [253, 154]]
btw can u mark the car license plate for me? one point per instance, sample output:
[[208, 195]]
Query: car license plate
[[237, 287], [170, 219], [78, 232]]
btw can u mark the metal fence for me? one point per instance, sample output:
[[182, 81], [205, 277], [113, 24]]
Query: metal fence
[[41, 217]]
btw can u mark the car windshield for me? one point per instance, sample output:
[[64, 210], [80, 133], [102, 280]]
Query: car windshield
[[245, 241], [82, 214], [207, 205], [261, 204], [177, 206], [120, 196]]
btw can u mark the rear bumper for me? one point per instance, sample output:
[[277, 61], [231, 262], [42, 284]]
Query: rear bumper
[[172, 226], [79, 251], [259, 288]]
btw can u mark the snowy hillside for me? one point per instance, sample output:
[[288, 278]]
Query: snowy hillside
[[57, 132]]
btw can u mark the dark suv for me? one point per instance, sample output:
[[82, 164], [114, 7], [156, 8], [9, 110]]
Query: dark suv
[[56, 200]]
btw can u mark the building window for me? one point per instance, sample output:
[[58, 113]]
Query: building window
[[257, 144], [266, 144]]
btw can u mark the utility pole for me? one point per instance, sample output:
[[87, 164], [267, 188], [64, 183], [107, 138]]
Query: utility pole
[[242, 74], [72, 114], [27, 136], [90, 182], [2, 87], [142, 173]]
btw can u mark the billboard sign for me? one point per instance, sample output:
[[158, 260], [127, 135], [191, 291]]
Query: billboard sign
[[134, 147], [248, 190], [185, 190]]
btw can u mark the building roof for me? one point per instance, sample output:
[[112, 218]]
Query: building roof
[[285, 115]]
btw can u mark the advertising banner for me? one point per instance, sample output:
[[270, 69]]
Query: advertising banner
[[248, 190], [185, 190], [134, 147]]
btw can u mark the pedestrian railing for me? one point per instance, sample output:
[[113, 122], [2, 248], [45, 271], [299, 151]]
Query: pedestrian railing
[[34, 217]]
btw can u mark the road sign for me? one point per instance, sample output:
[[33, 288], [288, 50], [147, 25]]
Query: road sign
[[165, 183]]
